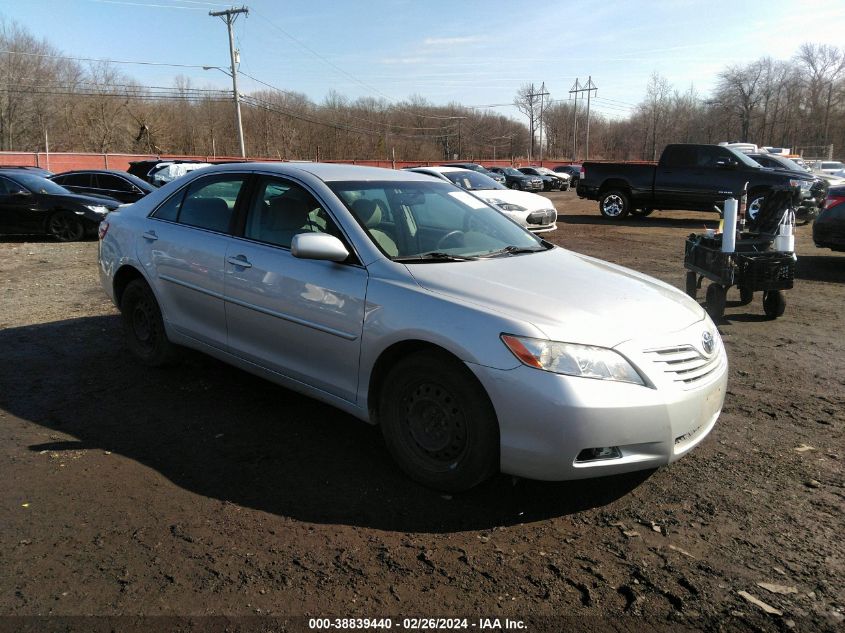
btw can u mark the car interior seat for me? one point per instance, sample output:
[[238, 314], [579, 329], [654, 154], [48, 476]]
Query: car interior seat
[[209, 213], [370, 214]]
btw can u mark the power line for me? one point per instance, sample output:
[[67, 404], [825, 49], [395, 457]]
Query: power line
[[105, 61]]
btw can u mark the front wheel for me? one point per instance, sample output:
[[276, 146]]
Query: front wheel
[[66, 227], [515, 185], [438, 422], [755, 203], [614, 204], [143, 326]]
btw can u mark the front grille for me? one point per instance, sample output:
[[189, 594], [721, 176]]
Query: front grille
[[685, 365], [546, 216]]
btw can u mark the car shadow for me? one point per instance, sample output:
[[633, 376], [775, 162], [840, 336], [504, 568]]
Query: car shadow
[[821, 268], [225, 434], [707, 220]]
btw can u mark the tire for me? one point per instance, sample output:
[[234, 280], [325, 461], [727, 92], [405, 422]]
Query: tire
[[65, 226], [746, 296], [692, 284], [716, 296], [516, 185], [641, 213], [614, 204], [774, 303], [143, 326], [438, 423]]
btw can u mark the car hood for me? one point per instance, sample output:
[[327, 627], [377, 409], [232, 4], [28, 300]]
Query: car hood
[[531, 201], [570, 297]]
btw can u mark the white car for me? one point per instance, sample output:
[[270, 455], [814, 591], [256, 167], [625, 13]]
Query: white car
[[533, 212]]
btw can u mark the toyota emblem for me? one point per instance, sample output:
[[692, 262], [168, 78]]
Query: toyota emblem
[[707, 342]]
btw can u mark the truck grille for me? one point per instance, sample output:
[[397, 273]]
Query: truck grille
[[685, 365]]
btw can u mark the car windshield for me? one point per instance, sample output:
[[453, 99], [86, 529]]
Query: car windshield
[[786, 163], [743, 158], [471, 180], [39, 184], [832, 165], [417, 222], [510, 171]]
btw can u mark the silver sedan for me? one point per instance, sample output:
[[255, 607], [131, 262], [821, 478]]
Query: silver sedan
[[411, 304]]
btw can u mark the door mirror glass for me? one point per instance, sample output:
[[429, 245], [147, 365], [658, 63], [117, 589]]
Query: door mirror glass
[[320, 246]]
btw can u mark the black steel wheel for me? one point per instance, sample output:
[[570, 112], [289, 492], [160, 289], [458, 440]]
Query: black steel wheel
[[438, 422], [774, 303], [143, 326], [716, 299], [692, 284], [746, 296], [66, 227], [614, 204]]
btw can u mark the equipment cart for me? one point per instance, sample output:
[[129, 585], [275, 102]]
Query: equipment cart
[[751, 267]]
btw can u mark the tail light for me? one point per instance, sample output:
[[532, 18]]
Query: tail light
[[103, 229], [832, 201], [582, 174]]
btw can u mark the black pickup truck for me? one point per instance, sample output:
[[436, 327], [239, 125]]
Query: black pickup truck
[[691, 177]]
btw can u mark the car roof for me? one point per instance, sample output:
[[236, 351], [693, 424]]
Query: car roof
[[327, 172], [443, 169]]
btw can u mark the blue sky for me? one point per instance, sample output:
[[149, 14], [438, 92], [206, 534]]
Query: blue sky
[[464, 51]]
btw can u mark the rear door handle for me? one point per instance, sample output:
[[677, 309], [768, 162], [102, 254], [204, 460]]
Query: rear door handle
[[150, 235], [239, 260]]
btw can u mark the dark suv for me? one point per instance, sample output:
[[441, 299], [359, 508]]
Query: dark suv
[[105, 182]]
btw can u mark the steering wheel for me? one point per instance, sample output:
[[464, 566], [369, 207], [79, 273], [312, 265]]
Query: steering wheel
[[456, 236]]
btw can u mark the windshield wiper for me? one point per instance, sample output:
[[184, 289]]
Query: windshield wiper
[[514, 250], [433, 256]]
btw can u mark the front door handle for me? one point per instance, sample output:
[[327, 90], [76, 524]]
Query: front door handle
[[239, 260], [150, 235]]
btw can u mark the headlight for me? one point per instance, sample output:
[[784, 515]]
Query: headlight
[[570, 359], [97, 208], [506, 206]]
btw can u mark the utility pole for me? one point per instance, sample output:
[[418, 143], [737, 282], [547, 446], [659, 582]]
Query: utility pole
[[229, 16], [577, 88], [531, 96]]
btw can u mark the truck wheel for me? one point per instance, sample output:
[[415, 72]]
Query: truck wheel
[[755, 203], [614, 204], [774, 303], [716, 301]]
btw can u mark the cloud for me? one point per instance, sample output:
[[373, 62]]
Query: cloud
[[452, 41]]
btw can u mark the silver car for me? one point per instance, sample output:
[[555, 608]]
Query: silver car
[[411, 304]]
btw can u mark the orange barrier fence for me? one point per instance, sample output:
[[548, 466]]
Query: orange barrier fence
[[66, 161]]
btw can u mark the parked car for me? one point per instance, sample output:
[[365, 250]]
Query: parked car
[[829, 227], [409, 303], [31, 204], [515, 179], [146, 169], [533, 212], [165, 172], [481, 170], [830, 167], [813, 192], [574, 172], [691, 177], [551, 180], [113, 183], [38, 171]]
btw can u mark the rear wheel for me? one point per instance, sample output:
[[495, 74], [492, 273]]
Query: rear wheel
[[438, 422], [716, 301], [143, 326], [66, 227], [614, 204], [692, 284], [774, 303]]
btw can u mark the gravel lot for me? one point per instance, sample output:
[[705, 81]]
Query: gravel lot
[[201, 490]]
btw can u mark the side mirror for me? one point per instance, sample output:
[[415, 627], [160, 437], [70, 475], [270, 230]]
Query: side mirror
[[21, 193], [320, 246]]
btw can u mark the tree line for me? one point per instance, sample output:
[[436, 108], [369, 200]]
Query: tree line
[[49, 99]]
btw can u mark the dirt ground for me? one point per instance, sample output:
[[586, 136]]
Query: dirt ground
[[201, 490]]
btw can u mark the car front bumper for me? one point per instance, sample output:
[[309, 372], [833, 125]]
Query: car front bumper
[[546, 420]]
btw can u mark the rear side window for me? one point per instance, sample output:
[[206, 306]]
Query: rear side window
[[208, 203], [75, 180], [679, 156], [112, 183]]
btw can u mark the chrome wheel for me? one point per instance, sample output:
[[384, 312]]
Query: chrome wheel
[[613, 205]]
